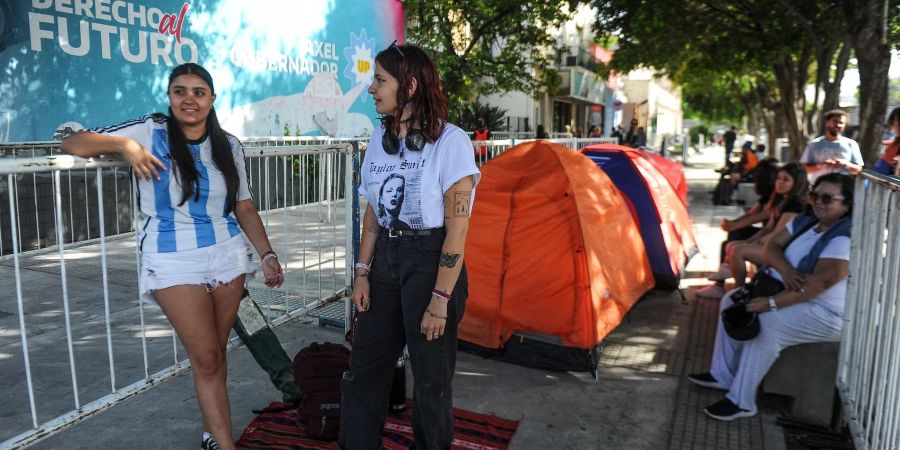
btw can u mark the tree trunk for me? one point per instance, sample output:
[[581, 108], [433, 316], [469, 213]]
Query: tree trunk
[[833, 87], [791, 102], [749, 106], [872, 48], [780, 132], [768, 118], [769, 114]]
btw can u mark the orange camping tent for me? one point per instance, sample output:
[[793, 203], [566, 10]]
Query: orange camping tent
[[552, 251]]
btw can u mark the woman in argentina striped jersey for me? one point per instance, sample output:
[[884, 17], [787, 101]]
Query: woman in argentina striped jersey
[[192, 189]]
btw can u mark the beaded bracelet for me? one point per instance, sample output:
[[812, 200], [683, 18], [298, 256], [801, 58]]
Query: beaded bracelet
[[440, 294], [362, 265]]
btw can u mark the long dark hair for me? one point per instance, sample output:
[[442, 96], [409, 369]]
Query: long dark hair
[[764, 179], [801, 184], [428, 102], [186, 171]]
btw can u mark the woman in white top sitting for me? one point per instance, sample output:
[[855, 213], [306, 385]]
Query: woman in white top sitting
[[811, 258]]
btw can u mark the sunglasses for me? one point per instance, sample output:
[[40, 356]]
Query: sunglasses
[[826, 197], [396, 47]]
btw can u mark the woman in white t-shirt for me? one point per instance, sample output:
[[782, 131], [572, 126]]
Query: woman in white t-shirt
[[192, 190], [811, 257], [410, 286]]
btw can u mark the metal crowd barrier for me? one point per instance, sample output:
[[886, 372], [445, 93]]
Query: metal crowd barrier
[[487, 150], [68, 251], [74, 339], [868, 376], [517, 135]]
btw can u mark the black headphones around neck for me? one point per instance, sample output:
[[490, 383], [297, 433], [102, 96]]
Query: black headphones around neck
[[415, 141]]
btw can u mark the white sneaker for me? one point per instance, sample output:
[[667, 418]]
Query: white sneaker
[[723, 274], [712, 291], [208, 443]]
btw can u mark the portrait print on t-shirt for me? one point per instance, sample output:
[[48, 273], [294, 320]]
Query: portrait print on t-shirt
[[406, 189], [390, 201], [398, 186]]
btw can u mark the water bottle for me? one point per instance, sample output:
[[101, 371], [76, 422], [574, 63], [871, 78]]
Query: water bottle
[[397, 398]]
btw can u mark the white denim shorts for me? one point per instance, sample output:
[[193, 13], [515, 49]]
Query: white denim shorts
[[209, 267]]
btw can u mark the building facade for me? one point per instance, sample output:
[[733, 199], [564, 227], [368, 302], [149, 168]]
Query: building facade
[[583, 99]]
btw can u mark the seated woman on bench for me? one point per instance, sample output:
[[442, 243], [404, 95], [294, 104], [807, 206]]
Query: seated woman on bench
[[811, 257], [743, 227], [791, 186]]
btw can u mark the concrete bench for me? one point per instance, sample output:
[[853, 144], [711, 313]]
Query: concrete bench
[[807, 372], [746, 194]]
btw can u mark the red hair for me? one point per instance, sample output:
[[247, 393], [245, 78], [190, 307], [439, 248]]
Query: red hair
[[429, 103]]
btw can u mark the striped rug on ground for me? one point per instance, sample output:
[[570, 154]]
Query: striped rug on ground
[[279, 431]]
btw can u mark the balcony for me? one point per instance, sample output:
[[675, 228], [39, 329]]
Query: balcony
[[578, 58]]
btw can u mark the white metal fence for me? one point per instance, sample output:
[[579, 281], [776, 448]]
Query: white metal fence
[[69, 264], [74, 340], [869, 366], [487, 150]]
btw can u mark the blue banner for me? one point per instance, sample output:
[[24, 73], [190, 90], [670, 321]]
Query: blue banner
[[280, 67]]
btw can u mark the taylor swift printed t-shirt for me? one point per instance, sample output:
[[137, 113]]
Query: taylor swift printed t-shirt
[[406, 190]]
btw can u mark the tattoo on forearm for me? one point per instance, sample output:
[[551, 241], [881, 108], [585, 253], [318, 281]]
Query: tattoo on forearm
[[449, 259], [461, 207]]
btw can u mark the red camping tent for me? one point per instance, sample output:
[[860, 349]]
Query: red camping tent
[[672, 171], [663, 217]]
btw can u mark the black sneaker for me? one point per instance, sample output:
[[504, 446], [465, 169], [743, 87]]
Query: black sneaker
[[706, 380], [727, 411], [208, 443]]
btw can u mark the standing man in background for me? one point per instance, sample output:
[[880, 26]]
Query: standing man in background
[[832, 152], [730, 138]]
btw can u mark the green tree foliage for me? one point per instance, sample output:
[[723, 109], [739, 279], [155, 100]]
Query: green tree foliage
[[486, 46], [696, 131], [757, 43], [710, 98], [894, 92], [872, 23]]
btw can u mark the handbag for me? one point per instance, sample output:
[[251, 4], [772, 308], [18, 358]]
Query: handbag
[[740, 324], [764, 285], [743, 325]]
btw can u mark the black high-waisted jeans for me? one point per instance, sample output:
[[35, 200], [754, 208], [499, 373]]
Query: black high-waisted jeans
[[404, 271]]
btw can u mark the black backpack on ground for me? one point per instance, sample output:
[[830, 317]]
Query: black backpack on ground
[[318, 371], [723, 191]]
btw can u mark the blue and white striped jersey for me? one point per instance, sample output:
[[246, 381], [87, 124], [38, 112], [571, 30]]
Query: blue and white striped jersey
[[201, 222]]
